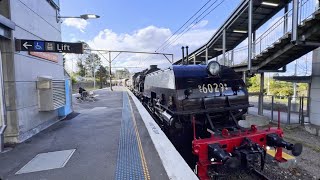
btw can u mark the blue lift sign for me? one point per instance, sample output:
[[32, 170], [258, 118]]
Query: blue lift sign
[[48, 46]]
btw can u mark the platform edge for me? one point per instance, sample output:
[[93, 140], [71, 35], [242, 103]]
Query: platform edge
[[167, 152]]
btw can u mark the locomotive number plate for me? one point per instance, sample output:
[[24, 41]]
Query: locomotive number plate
[[210, 88]]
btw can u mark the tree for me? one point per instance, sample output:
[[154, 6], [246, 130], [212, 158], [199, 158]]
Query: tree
[[92, 62], [102, 74], [81, 60], [122, 74], [254, 84], [302, 89], [281, 88], [82, 69], [277, 88]]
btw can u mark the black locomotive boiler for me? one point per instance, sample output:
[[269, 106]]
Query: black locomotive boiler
[[198, 107]]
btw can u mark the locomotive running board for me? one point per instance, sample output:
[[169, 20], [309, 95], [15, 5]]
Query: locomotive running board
[[209, 110]]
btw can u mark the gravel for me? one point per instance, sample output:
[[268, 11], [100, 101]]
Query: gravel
[[309, 160], [295, 173], [274, 172]]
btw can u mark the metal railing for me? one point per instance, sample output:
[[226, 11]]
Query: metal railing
[[280, 28], [296, 109], [241, 54], [273, 33]]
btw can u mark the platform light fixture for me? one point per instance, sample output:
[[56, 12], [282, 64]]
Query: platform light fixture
[[270, 4], [83, 16], [239, 31], [89, 16]]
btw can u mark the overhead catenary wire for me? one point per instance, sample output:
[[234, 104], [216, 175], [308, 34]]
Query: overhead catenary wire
[[192, 25], [169, 42], [182, 26]]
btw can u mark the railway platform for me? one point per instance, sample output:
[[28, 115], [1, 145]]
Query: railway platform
[[110, 138]]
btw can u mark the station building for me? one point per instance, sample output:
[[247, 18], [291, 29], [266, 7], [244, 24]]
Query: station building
[[35, 84]]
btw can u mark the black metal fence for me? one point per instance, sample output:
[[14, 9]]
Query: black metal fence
[[297, 109]]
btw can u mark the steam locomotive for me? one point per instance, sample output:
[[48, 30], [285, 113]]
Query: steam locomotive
[[198, 107]]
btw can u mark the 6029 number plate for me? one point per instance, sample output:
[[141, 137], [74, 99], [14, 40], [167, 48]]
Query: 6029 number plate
[[210, 88]]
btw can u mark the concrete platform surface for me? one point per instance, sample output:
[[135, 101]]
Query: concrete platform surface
[[96, 135]]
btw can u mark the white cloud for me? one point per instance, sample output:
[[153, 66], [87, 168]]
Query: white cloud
[[78, 23], [201, 24], [148, 39]]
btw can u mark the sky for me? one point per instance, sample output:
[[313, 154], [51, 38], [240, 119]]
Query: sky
[[143, 26]]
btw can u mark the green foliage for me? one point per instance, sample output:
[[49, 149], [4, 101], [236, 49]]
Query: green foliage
[[303, 89], [281, 88], [92, 62], [122, 74], [102, 74], [253, 84], [277, 88], [81, 58], [82, 69], [102, 71], [73, 80]]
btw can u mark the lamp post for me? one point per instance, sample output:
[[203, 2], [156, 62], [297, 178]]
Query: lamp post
[[85, 17], [94, 73], [110, 74]]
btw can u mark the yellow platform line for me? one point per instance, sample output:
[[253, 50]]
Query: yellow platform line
[[143, 159], [285, 156]]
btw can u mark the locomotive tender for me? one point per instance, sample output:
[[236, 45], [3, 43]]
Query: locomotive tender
[[198, 107]]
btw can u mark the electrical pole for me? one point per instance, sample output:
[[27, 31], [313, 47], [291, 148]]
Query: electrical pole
[[72, 68], [94, 78], [295, 84], [268, 89], [94, 74], [110, 71], [306, 65]]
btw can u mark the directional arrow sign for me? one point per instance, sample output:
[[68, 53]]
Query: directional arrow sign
[[48, 46], [26, 45]]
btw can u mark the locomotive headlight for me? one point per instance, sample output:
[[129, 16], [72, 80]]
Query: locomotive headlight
[[213, 68]]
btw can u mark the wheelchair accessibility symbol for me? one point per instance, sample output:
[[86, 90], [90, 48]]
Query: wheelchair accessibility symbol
[[38, 45]]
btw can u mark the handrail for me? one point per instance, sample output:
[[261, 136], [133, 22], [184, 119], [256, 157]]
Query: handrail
[[272, 27], [271, 35]]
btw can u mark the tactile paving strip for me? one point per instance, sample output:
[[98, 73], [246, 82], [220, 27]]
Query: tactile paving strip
[[129, 163]]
